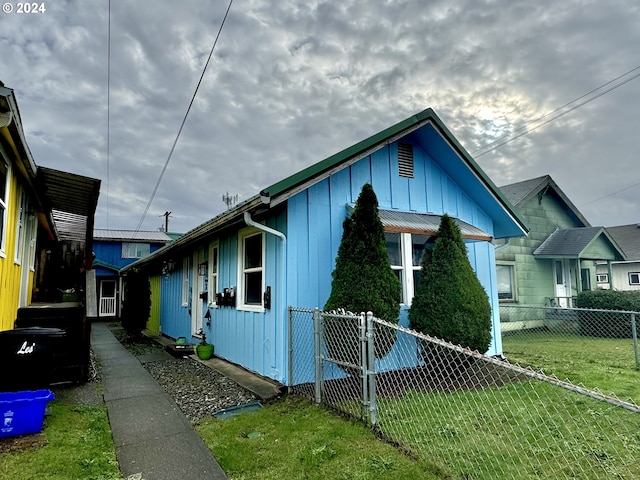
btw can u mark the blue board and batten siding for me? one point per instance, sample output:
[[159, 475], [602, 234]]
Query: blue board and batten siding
[[255, 340], [312, 221], [315, 217]]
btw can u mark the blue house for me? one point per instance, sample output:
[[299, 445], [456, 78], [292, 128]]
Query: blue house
[[235, 275], [114, 249]]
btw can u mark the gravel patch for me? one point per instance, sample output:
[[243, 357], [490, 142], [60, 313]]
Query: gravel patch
[[198, 390]]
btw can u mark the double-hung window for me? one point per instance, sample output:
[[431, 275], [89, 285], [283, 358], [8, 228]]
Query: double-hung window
[[405, 256], [251, 274]]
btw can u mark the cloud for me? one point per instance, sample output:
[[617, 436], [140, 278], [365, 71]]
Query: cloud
[[293, 82]]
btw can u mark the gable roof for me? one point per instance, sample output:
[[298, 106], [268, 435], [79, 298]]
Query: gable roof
[[576, 243], [520, 193], [628, 237], [431, 132]]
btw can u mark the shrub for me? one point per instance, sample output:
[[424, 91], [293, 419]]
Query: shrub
[[602, 324], [363, 279], [450, 303], [137, 302]]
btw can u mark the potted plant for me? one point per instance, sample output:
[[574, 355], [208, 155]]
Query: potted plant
[[204, 350]]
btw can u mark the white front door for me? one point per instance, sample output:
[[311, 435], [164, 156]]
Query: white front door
[[562, 282], [199, 286], [107, 298]]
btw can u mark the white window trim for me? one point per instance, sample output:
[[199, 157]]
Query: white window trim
[[4, 203], [185, 282], [214, 271], [407, 268], [21, 220], [242, 235], [602, 277], [637, 274], [513, 281], [135, 246]]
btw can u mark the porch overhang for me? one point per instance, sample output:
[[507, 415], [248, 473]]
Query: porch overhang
[[423, 224], [582, 243]]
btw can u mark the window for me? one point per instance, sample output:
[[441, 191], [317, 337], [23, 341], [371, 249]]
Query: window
[[634, 278], [4, 199], [135, 250], [251, 261], [185, 282], [405, 256], [602, 278], [213, 273], [585, 277], [506, 282]]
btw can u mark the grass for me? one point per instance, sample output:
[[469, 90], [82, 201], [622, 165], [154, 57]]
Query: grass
[[293, 438], [606, 364], [526, 430], [75, 443]]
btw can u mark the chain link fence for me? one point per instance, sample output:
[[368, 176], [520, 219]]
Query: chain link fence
[[475, 416], [566, 341]]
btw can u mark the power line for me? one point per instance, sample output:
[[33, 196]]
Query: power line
[[184, 120], [611, 194], [489, 148], [108, 107]]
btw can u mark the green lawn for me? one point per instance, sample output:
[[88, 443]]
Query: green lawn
[[606, 364], [75, 443], [292, 438], [528, 430]]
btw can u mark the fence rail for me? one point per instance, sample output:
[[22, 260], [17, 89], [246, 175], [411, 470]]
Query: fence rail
[[475, 416]]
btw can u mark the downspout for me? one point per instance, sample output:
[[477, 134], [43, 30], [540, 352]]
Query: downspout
[[252, 223]]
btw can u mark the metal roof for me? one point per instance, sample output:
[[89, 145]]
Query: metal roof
[[323, 169], [424, 224], [72, 199], [131, 235], [574, 243]]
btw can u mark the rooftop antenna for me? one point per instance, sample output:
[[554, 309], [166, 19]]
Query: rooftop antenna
[[229, 200]]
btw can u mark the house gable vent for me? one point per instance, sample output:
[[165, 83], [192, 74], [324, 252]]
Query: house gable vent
[[405, 160]]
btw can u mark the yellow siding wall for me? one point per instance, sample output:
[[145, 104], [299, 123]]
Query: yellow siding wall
[[153, 324], [9, 271]]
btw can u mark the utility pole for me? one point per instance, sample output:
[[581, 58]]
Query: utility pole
[[166, 216]]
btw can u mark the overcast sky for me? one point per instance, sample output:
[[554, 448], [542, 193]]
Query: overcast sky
[[294, 81]]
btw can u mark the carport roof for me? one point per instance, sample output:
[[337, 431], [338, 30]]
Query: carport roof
[[72, 199]]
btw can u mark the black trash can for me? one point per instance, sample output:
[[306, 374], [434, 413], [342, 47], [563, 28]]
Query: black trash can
[[31, 357], [72, 364]]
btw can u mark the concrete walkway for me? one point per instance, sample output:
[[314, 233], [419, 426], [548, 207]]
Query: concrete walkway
[[152, 436]]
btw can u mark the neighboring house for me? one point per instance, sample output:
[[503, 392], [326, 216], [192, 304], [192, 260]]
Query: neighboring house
[[45, 221], [114, 249], [622, 275], [558, 258], [235, 275]]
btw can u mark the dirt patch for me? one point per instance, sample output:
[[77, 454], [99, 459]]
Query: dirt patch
[[22, 443]]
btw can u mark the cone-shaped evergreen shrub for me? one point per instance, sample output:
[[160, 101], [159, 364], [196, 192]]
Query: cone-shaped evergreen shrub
[[137, 302], [449, 302], [363, 279]]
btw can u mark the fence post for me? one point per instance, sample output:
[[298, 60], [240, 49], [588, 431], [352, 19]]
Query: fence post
[[634, 333], [363, 365], [371, 369], [317, 336]]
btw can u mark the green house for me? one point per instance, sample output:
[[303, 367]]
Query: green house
[[557, 260]]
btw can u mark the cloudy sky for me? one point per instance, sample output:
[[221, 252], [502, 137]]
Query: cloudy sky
[[294, 81]]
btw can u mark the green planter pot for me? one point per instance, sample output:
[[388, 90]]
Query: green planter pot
[[204, 352]]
